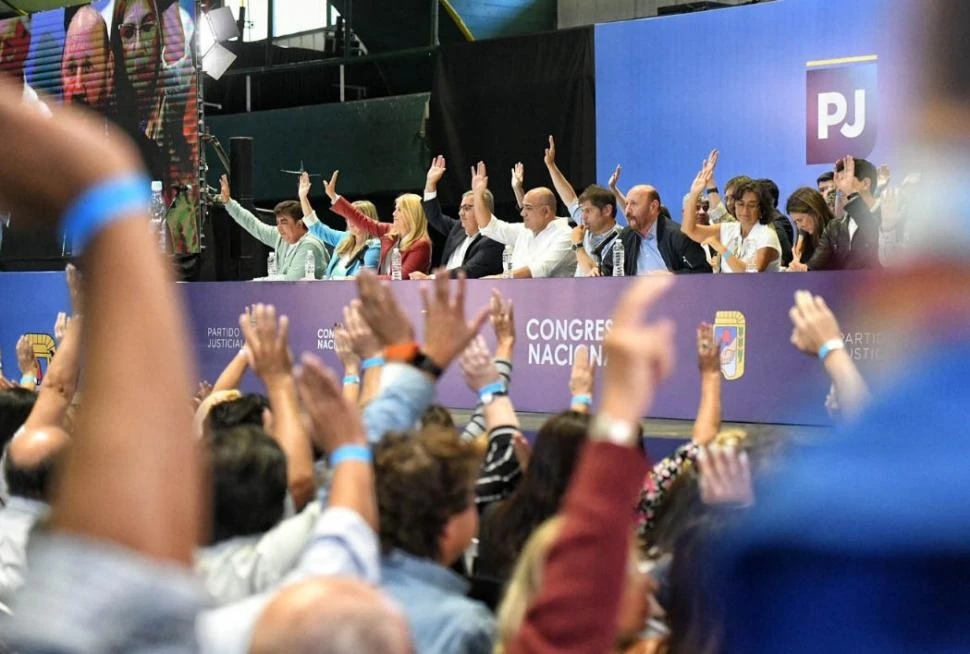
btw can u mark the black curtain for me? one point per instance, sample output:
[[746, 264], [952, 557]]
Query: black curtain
[[498, 101]]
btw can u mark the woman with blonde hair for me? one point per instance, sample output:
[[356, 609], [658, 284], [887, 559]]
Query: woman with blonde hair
[[353, 249], [526, 581], [408, 232]]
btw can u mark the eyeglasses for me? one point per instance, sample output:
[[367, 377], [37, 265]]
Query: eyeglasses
[[129, 30]]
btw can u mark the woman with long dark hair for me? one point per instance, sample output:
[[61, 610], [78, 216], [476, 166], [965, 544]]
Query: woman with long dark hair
[[506, 526], [811, 214]]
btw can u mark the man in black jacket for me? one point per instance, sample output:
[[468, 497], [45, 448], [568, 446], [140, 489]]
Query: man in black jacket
[[783, 226], [653, 242], [851, 242], [465, 248]]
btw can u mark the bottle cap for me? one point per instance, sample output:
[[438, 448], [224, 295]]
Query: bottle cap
[[156, 185]]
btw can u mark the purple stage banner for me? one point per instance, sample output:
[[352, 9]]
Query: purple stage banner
[[766, 379]]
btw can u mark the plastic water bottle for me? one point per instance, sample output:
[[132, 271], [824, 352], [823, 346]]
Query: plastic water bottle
[[159, 222], [310, 267], [395, 262], [507, 262], [271, 265], [619, 258]]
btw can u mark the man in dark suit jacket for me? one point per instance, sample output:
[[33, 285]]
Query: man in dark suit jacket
[[852, 242], [646, 220], [465, 248], [784, 227]]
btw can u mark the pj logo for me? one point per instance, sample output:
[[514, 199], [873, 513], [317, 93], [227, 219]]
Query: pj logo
[[841, 108], [729, 333]]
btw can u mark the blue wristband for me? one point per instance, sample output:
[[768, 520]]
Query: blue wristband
[[372, 362], [830, 346], [103, 204], [491, 389], [352, 379], [727, 254], [582, 399], [350, 453]]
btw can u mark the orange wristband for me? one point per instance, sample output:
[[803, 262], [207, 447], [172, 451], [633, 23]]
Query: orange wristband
[[401, 352]]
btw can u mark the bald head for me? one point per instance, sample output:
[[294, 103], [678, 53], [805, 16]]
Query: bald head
[[642, 207], [31, 457], [86, 66], [330, 616], [538, 209]]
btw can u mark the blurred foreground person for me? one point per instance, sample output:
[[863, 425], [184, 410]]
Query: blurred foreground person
[[862, 544]]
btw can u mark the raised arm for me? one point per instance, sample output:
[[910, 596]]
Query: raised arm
[[351, 364], [231, 376], [699, 233], [267, 340], [60, 383], [518, 183], [617, 193], [585, 573], [303, 191], [350, 213], [708, 420], [266, 234], [432, 207], [27, 363], [563, 188], [367, 349], [581, 381], [502, 317], [490, 226], [816, 332]]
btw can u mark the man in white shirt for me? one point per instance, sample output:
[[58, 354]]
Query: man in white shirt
[[541, 243]]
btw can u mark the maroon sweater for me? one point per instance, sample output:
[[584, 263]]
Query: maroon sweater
[[586, 568], [416, 258]]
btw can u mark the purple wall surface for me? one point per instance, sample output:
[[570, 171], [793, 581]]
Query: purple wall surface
[[768, 380]]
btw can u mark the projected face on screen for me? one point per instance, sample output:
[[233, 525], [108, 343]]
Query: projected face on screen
[[87, 61], [139, 37]]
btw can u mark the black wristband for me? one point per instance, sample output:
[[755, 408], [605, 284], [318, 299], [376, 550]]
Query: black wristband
[[713, 189], [423, 362]]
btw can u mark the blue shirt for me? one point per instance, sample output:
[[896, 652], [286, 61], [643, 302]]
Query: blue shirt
[[333, 238], [440, 618], [649, 259]]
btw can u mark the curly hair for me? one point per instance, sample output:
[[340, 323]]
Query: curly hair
[[423, 479]]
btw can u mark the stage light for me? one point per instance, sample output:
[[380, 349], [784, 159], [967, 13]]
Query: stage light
[[216, 26]]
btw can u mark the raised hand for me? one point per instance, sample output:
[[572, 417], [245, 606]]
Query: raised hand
[[550, 154], [75, 288], [267, 342], [335, 421], [518, 175], [330, 186], [502, 318], [26, 360], [203, 391], [845, 180], [435, 173], [709, 166], [479, 178], [615, 177], [814, 323], [708, 352], [579, 231], [303, 190], [725, 476], [446, 331], [60, 326], [640, 353], [224, 194], [522, 449], [581, 378], [477, 367], [345, 350], [379, 307], [360, 337]]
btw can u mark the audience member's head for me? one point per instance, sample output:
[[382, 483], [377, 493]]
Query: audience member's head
[[599, 208], [289, 221], [30, 462], [772, 189], [426, 494], [250, 409], [643, 207], [538, 209], [410, 221], [248, 481], [753, 204], [356, 237], [526, 580], [15, 406], [538, 496], [330, 616], [437, 416], [466, 211], [811, 213], [731, 192], [825, 182], [200, 419]]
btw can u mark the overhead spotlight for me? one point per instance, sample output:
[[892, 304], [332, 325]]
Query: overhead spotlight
[[216, 26]]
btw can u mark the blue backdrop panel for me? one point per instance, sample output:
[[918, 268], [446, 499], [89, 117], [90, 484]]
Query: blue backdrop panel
[[670, 89], [29, 303]]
